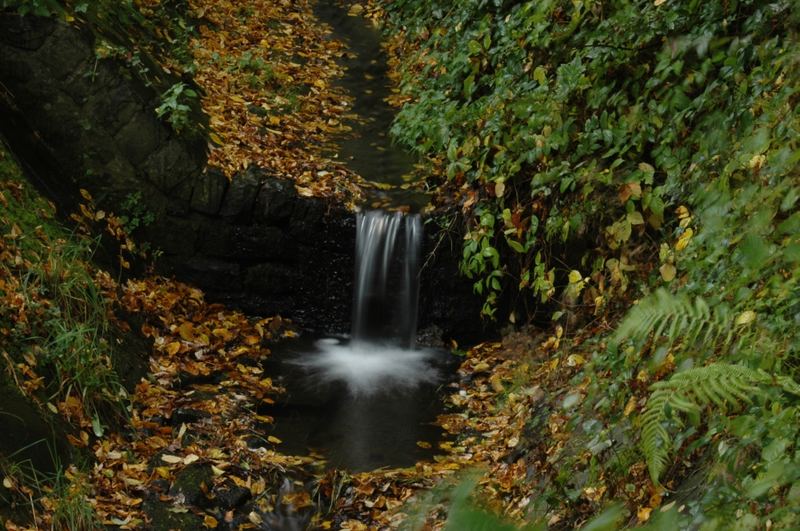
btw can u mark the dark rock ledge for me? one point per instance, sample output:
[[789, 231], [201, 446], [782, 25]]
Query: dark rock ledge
[[76, 121]]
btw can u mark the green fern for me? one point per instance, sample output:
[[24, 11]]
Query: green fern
[[726, 387], [679, 318]]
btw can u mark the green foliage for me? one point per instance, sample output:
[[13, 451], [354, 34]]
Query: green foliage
[[720, 386], [580, 123], [134, 213], [463, 509], [66, 490], [571, 131], [60, 326], [176, 106], [676, 318], [39, 8], [141, 35]]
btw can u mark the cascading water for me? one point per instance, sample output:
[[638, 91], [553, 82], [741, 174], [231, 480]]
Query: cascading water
[[387, 277], [381, 353], [327, 380]]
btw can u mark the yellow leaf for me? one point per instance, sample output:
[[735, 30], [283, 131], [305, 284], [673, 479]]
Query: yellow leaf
[[746, 317], [668, 272], [8, 482], [85, 194], [575, 360], [171, 459], [630, 406], [210, 522], [191, 458], [173, 348], [423, 444], [223, 333], [575, 276], [643, 514], [274, 440], [215, 138], [499, 189], [684, 239]]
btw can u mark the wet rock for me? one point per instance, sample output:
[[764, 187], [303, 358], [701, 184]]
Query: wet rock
[[259, 243], [29, 435], [162, 518], [130, 354], [275, 201], [187, 415], [178, 234], [66, 52], [241, 195], [212, 274], [230, 496], [191, 484], [26, 33], [187, 379], [209, 191], [270, 279], [139, 137], [168, 167]]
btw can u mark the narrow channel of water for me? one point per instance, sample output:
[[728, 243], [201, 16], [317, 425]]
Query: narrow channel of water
[[369, 150], [368, 400]]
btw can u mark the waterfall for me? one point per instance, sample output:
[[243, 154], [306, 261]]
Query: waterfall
[[381, 355], [387, 277]]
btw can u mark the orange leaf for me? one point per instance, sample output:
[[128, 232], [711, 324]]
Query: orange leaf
[[186, 331], [173, 348]]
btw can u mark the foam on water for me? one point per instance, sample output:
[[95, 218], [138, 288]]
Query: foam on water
[[368, 368]]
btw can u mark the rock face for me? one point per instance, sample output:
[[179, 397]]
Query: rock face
[[76, 121]]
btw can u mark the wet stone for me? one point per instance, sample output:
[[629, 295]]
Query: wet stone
[[190, 485], [187, 415], [187, 379], [241, 194], [163, 519], [230, 496], [275, 201], [209, 192]]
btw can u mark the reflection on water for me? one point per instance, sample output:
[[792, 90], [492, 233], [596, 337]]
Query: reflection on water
[[329, 411]]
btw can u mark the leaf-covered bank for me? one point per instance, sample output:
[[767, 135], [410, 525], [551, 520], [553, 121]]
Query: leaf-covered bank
[[639, 153]]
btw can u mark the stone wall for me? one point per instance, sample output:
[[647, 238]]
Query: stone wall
[[76, 121]]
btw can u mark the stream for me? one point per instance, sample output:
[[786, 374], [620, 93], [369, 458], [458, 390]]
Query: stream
[[370, 399]]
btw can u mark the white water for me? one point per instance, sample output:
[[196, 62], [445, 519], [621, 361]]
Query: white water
[[381, 354]]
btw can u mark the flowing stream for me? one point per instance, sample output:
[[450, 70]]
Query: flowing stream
[[367, 399]]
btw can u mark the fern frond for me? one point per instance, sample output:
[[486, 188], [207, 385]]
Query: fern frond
[[679, 318], [722, 386]]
